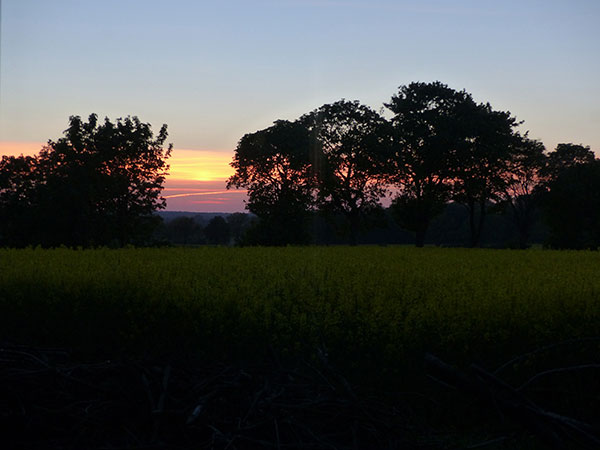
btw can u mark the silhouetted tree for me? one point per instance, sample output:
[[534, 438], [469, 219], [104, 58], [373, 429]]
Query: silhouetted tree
[[97, 185], [274, 166], [429, 124], [519, 195], [572, 207], [18, 180], [217, 231], [184, 230], [482, 161], [238, 224], [564, 157], [349, 147], [440, 146], [564, 232]]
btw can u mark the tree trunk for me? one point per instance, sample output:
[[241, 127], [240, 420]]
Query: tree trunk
[[472, 226], [354, 226], [523, 219], [482, 212], [420, 238], [523, 226], [476, 226], [421, 231]]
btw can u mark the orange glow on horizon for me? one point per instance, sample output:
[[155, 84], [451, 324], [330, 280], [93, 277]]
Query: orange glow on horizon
[[200, 165], [185, 164], [17, 148], [193, 173]]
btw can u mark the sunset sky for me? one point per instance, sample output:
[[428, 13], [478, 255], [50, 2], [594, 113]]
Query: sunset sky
[[215, 70]]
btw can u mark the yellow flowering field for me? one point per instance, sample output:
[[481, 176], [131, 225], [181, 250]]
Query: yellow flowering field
[[362, 304]]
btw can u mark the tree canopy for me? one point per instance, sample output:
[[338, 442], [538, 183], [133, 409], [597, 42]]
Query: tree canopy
[[274, 166], [482, 161], [572, 207], [564, 157], [350, 145], [429, 126], [325, 177], [519, 193], [438, 147], [97, 185]]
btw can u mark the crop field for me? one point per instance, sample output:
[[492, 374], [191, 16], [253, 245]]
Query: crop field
[[374, 312], [365, 305], [376, 302]]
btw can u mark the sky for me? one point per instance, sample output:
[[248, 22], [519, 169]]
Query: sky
[[216, 70]]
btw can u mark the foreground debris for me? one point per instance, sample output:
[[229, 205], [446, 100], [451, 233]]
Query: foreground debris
[[48, 401], [554, 430]]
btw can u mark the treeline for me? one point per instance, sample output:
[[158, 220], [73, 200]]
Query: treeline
[[449, 229], [433, 166], [438, 148], [193, 229]]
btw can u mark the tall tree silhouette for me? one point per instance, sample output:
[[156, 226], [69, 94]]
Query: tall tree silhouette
[[97, 185], [520, 194], [429, 124], [569, 195], [481, 162], [274, 166], [349, 147]]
